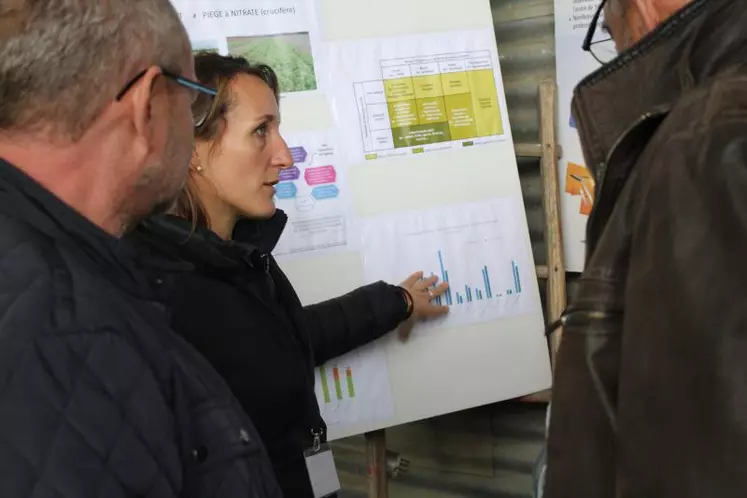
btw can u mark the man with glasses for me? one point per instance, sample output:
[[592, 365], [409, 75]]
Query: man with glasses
[[650, 396], [98, 398]]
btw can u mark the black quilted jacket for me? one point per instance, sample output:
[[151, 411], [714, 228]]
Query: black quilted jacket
[[239, 310], [98, 398]]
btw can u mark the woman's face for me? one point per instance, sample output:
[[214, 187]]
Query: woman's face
[[245, 166]]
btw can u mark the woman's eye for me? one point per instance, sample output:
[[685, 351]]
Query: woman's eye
[[261, 131]]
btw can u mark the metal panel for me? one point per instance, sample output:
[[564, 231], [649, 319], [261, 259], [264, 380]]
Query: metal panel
[[524, 30], [525, 36]]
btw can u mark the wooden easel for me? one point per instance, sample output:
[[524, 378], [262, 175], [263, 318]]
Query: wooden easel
[[548, 152]]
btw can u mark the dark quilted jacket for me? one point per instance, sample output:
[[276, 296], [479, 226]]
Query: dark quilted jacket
[[98, 398], [239, 310]]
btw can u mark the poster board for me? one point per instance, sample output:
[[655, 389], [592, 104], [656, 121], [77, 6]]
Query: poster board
[[572, 19], [396, 118]]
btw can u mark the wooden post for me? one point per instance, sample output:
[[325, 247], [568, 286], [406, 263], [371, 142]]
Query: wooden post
[[376, 464], [556, 290]]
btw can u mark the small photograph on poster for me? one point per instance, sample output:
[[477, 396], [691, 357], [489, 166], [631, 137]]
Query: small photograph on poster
[[202, 46], [288, 54]]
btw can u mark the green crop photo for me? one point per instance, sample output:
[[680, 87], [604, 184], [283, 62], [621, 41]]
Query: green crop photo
[[288, 54]]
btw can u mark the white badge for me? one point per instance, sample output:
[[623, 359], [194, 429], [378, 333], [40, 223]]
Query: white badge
[[320, 465]]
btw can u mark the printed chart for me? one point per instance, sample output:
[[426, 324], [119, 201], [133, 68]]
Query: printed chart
[[355, 388], [333, 376], [310, 194], [483, 290], [478, 248], [415, 95], [428, 100]]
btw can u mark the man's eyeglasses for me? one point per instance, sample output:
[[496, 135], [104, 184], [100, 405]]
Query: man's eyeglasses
[[203, 95], [598, 42]]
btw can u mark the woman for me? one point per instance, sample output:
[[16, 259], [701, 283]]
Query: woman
[[234, 304]]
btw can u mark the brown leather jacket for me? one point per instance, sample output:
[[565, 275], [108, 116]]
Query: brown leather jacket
[[650, 397]]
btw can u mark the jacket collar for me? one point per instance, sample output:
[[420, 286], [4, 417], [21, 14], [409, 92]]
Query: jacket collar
[[702, 40], [176, 237], [23, 199]]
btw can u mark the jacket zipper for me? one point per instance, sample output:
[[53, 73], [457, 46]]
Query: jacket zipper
[[585, 315]]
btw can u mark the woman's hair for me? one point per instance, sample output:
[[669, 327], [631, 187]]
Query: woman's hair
[[216, 71]]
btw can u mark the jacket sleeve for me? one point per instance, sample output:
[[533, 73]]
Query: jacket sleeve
[[357, 318], [672, 372], [82, 415]]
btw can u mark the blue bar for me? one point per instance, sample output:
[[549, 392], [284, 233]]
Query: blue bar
[[468, 293], [488, 288], [444, 277], [518, 278], [508, 292], [479, 295], [459, 298]]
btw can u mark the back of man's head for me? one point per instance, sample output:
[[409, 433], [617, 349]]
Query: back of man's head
[[62, 60], [631, 20]]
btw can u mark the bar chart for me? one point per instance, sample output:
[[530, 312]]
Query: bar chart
[[343, 388], [354, 387], [483, 291], [480, 250]]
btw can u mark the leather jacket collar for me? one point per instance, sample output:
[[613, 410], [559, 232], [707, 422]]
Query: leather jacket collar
[[700, 41]]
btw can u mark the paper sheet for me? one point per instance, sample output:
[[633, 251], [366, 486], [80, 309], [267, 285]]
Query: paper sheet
[[479, 248], [416, 94], [280, 33], [355, 388], [313, 193], [572, 19]]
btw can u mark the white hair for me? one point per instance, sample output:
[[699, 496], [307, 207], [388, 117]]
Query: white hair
[[61, 61]]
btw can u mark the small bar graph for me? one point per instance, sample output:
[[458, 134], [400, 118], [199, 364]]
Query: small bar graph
[[325, 386], [341, 391], [480, 292], [351, 386], [338, 386]]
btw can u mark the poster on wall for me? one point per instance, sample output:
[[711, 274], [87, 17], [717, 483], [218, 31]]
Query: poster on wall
[[314, 194], [572, 19], [402, 160], [279, 33], [418, 94]]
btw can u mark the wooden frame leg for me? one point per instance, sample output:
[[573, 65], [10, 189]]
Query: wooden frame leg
[[376, 464]]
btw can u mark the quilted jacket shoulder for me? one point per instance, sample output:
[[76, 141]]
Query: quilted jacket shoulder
[[98, 398]]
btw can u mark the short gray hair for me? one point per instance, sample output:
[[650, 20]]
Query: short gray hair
[[61, 61]]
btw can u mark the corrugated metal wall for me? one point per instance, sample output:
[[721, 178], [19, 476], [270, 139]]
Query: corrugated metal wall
[[487, 452]]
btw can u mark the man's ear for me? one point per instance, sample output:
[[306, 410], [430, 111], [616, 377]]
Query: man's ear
[[140, 98]]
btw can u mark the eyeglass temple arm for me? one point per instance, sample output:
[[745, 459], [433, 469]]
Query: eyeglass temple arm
[[593, 27]]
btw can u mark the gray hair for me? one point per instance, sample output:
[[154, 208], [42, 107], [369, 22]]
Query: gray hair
[[61, 61]]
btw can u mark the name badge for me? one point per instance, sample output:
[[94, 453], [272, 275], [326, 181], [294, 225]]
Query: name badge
[[320, 464]]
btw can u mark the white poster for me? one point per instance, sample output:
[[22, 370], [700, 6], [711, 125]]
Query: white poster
[[572, 19], [478, 248], [417, 94], [355, 388], [314, 195], [279, 33]]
